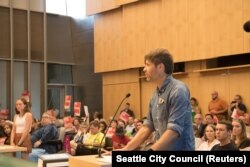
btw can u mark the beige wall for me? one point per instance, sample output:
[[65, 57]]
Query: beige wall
[[228, 82], [192, 30], [116, 86]]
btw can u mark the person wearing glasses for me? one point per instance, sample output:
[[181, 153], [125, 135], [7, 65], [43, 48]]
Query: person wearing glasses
[[41, 137]]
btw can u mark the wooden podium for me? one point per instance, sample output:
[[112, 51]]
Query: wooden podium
[[89, 161]]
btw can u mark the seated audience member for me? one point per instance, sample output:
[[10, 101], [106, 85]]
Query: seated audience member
[[35, 125], [40, 138], [92, 140], [237, 100], [247, 119], [128, 110], [195, 107], [111, 129], [126, 113], [239, 135], [240, 112], [70, 132], [119, 139], [138, 126], [7, 131], [78, 138], [197, 138], [97, 116], [102, 126], [2, 135], [210, 138], [218, 107], [130, 126], [209, 119], [121, 123], [223, 134], [198, 121], [76, 123], [135, 121]]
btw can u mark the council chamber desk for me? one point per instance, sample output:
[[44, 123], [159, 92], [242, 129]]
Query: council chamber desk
[[90, 161], [8, 149]]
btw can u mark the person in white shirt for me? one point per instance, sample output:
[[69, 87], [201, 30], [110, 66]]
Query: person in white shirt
[[20, 135], [210, 139]]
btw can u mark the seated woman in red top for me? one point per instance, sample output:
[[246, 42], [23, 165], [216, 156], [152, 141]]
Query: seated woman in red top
[[119, 139]]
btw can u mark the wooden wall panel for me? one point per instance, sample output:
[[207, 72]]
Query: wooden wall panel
[[108, 47], [200, 29], [109, 4], [99, 6], [119, 77], [133, 34], [246, 17], [93, 6], [227, 27], [175, 28], [153, 28], [115, 90], [192, 30], [189, 29], [123, 2]]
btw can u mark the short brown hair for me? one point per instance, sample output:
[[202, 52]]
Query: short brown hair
[[161, 55]]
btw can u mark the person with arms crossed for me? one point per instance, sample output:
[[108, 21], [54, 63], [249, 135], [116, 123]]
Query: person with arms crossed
[[169, 109]]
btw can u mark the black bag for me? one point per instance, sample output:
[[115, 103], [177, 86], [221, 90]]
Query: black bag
[[83, 150]]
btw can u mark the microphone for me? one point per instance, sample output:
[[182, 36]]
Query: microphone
[[247, 26], [128, 95], [100, 147]]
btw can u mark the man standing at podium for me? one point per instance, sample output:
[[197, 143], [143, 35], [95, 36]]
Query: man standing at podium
[[169, 108]]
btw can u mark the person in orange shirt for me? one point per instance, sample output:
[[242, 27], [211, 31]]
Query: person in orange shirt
[[218, 107]]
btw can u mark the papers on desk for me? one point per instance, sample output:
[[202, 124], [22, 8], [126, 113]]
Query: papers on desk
[[54, 160], [106, 158], [55, 156]]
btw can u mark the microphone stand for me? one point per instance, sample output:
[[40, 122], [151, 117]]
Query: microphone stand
[[100, 147]]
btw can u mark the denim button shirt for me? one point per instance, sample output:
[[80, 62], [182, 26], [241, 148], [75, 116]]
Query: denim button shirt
[[170, 108]]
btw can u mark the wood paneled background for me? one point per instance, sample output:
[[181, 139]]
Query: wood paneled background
[[192, 30]]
